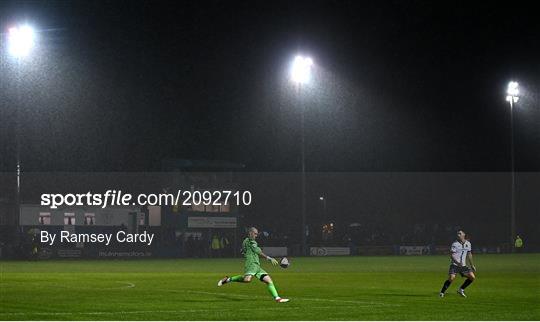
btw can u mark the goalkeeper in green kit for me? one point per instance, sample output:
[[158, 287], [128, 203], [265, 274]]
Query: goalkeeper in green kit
[[251, 252]]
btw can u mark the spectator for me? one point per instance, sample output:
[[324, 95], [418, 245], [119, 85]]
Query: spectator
[[518, 244], [215, 246], [224, 244]]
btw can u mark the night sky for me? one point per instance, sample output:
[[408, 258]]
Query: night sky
[[398, 85]]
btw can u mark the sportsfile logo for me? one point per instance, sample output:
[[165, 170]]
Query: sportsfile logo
[[109, 198], [119, 198]]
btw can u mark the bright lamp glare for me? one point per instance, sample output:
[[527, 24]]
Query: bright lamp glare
[[21, 40], [512, 92], [301, 69], [513, 89]]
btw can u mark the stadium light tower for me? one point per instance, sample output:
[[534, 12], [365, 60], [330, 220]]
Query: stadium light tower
[[21, 41], [301, 75], [512, 97]]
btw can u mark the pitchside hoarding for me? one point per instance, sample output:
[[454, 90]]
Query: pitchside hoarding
[[211, 222], [329, 251]]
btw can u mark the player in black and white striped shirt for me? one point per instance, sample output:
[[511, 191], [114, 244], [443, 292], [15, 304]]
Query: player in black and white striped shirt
[[460, 252]]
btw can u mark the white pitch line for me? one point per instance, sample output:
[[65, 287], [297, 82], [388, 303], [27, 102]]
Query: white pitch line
[[296, 298], [280, 308], [125, 286]]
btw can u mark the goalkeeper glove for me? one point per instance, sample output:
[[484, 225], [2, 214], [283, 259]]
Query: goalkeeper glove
[[272, 260]]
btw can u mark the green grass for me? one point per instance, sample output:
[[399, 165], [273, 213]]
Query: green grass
[[336, 288]]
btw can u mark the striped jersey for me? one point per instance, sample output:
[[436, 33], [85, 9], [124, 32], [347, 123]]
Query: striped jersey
[[460, 251]]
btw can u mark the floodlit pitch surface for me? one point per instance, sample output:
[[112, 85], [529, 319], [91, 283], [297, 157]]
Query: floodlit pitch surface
[[344, 288]]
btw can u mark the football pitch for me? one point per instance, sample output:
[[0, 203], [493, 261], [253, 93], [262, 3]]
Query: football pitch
[[320, 288]]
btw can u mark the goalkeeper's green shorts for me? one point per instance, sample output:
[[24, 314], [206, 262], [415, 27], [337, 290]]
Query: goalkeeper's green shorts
[[255, 270]]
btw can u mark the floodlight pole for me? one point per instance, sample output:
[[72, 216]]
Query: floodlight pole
[[513, 188], [18, 140], [300, 75], [303, 169], [21, 41], [512, 97]]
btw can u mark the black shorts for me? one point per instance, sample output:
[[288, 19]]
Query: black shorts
[[461, 270]]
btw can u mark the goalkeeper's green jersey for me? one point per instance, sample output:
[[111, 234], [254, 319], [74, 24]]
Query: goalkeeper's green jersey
[[251, 251]]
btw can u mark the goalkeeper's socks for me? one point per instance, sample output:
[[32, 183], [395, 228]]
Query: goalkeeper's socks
[[237, 278], [466, 283], [445, 286], [272, 290]]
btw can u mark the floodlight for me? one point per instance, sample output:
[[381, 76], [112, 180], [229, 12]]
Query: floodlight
[[21, 41], [301, 69], [513, 92]]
